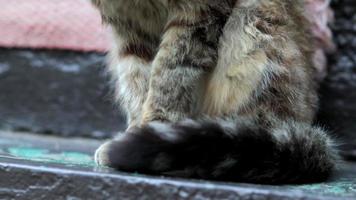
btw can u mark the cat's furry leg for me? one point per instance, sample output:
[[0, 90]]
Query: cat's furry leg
[[136, 32], [130, 73], [187, 53]]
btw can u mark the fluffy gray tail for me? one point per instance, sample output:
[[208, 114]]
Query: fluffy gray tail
[[291, 153]]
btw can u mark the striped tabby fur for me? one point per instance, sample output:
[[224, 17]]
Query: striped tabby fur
[[216, 89]]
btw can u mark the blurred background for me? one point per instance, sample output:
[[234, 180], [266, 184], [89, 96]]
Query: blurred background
[[53, 81]]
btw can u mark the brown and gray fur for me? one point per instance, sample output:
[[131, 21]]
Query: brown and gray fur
[[216, 89]]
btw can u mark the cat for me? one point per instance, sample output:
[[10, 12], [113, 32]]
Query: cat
[[216, 89]]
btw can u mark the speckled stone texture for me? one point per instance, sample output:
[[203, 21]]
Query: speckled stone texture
[[56, 92], [26, 181], [338, 93]]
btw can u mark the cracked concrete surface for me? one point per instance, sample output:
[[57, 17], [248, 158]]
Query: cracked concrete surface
[[30, 181]]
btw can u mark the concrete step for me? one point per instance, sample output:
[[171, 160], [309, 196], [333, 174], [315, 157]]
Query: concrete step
[[56, 92], [45, 167]]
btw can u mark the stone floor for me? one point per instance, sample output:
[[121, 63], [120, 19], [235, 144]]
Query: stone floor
[[46, 167]]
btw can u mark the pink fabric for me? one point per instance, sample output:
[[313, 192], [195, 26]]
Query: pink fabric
[[54, 24], [320, 15]]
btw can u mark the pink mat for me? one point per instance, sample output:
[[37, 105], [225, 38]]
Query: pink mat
[[53, 24], [76, 25]]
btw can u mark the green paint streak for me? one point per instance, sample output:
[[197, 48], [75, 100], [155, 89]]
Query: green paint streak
[[27, 152], [44, 155], [339, 188]]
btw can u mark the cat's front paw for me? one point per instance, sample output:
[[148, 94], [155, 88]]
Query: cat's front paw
[[128, 152], [138, 150], [102, 154], [116, 154]]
